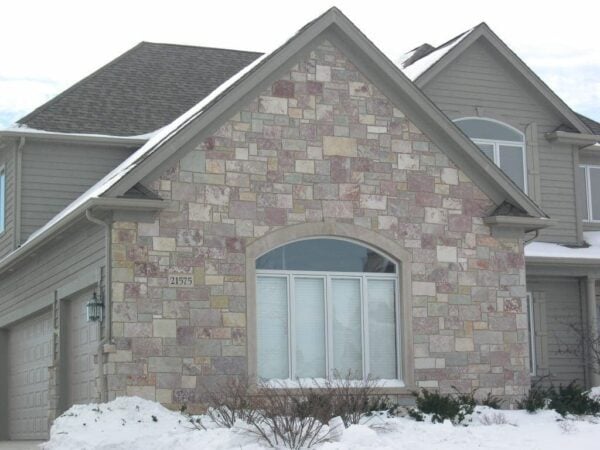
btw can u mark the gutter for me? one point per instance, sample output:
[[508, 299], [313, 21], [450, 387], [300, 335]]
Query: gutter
[[573, 138], [104, 203], [554, 261], [107, 301], [133, 141]]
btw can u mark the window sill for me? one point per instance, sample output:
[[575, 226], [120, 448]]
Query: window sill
[[312, 383]]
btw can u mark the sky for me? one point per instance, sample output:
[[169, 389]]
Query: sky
[[46, 46]]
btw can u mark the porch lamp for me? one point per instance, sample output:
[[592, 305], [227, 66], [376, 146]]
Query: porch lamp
[[95, 309]]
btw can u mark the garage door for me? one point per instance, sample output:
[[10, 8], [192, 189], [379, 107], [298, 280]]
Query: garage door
[[82, 346], [30, 354]]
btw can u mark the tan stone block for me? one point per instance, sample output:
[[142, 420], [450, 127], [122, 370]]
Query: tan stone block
[[188, 382], [241, 153], [164, 244], [273, 105], [199, 212], [146, 392], [234, 319], [122, 274], [446, 254], [423, 288], [215, 166], [449, 175], [408, 161], [464, 345], [213, 280], [118, 292], [164, 396], [120, 356], [166, 328], [339, 146], [366, 119], [424, 363], [248, 196], [323, 73], [305, 166], [219, 302]]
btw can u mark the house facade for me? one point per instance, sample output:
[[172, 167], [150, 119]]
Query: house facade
[[317, 212]]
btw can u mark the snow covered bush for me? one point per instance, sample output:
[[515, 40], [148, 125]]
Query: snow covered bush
[[440, 407], [570, 399]]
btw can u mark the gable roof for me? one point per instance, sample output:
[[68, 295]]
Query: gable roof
[[160, 81], [591, 123], [174, 140], [425, 68]]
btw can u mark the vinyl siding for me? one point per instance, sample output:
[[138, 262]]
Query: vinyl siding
[[62, 260], [478, 84], [563, 308], [55, 174], [7, 161]]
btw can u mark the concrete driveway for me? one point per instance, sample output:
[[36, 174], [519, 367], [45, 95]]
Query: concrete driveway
[[20, 445]]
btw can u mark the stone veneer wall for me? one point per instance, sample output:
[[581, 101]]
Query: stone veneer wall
[[321, 144]]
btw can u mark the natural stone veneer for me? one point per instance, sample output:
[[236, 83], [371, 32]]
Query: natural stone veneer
[[321, 144]]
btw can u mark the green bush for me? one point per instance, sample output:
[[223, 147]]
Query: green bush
[[572, 399], [491, 401], [442, 406]]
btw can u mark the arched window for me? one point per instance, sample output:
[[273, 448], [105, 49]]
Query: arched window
[[501, 143], [325, 305]]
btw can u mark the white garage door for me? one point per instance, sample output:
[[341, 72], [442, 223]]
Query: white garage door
[[30, 354], [82, 346]]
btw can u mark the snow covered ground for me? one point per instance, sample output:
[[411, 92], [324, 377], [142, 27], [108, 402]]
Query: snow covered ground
[[131, 423]]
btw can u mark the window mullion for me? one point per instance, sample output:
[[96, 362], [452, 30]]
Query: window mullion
[[329, 328], [497, 154], [292, 326], [588, 193], [365, 326]]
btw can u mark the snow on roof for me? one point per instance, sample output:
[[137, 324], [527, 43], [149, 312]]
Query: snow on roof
[[549, 250], [20, 128], [420, 66]]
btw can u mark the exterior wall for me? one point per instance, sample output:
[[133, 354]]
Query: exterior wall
[[56, 173], [558, 309], [320, 145], [587, 157], [7, 161], [477, 83]]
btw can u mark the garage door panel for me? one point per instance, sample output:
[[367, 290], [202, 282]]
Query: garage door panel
[[82, 346], [30, 355]]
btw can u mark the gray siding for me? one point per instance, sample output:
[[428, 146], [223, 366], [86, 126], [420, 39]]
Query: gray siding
[[54, 174], [7, 160], [59, 262], [478, 84], [562, 308]]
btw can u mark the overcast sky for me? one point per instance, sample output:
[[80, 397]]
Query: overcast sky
[[45, 46]]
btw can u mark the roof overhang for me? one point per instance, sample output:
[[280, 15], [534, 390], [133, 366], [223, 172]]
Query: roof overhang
[[518, 223], [93, 204], [555, 261], [573, 138], [30, 134]]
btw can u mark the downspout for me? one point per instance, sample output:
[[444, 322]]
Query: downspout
[[107, 303]]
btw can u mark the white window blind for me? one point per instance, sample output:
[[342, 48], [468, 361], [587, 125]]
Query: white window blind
[[347, 326], [382, 329], [309, 327], [272, 334]]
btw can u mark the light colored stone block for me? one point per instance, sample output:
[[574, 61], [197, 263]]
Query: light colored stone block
[[166, 328], [423, 288], [273, 105], [339, 146], [164, 244], [446, 254]]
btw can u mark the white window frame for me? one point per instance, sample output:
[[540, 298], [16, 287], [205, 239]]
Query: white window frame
[[328, 277], [531, 333], [2, 199], [497, 143], [588, 192]]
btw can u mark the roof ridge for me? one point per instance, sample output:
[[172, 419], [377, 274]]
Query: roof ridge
[[71, 88], [200, 47]]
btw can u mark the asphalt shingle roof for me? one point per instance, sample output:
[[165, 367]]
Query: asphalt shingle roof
[[140, 91], [591, 124]]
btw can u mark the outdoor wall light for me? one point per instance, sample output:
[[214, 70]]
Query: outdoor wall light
[[95, 309]]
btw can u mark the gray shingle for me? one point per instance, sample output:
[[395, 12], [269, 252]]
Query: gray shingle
[[140, 91], [591, 124]]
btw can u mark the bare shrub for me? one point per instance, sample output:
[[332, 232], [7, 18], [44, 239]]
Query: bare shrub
[[567, 426], [494, 419], [229, 401]]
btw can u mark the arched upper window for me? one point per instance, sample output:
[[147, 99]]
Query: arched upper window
[[323, 306], [501, 143]]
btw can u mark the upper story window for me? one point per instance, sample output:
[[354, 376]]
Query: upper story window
[[501, 143], [2, 198], [588, 192], [324, 306]]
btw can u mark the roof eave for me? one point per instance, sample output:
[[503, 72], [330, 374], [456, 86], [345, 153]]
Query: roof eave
[[518, 222], [101, 203], [129, 141], [557, 261], [573, 138]]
